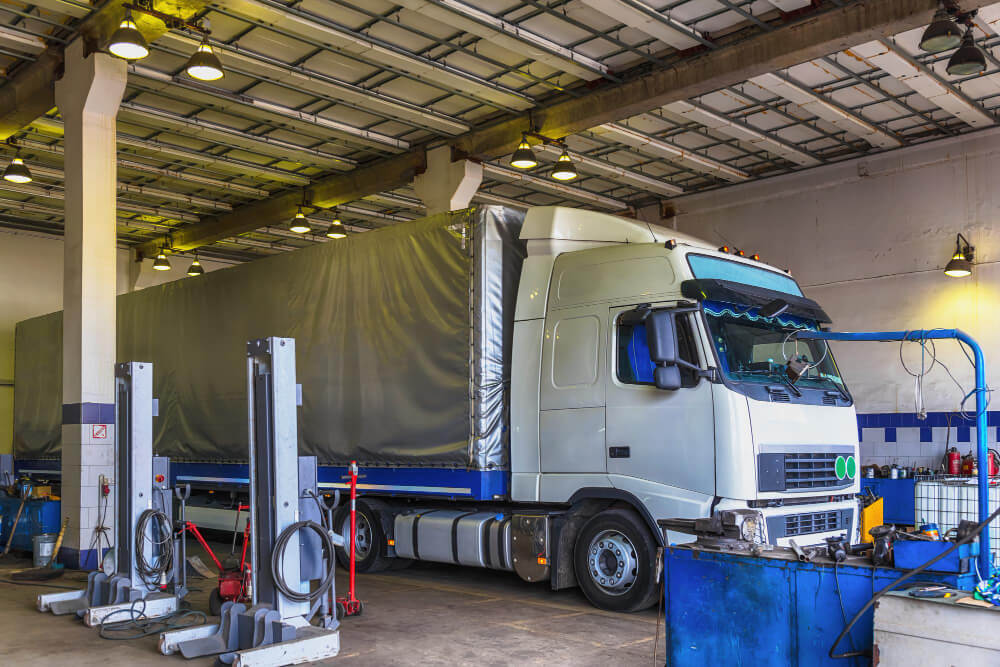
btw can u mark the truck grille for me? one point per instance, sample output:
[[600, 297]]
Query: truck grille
[[810, 471], [799, 471], [813, 522], [808, 523]]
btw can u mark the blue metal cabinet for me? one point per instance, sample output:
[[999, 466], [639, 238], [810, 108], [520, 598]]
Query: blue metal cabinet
[[39, 516], [897, 498], [769, 610]]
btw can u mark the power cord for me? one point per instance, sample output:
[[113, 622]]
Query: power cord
[[972, 534], [277, 555], [152, 574], [137, 625]]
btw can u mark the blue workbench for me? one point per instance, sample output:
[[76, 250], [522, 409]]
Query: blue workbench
[[897, 498]]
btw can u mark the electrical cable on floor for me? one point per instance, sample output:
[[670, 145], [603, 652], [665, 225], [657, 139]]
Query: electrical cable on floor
[[138, 625], [973, 534], [278, 553]]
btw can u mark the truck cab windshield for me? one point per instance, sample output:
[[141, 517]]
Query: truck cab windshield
[[755, 349]]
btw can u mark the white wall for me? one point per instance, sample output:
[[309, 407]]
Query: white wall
[[868, 239], [31, 284]]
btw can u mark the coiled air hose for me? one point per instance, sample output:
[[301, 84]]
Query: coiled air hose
[[278, 554]]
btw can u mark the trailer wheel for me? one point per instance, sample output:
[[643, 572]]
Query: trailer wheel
[[615, 558], [369, 543]]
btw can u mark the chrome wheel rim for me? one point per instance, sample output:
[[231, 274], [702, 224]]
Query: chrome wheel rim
[[362, 536], [612, 562]]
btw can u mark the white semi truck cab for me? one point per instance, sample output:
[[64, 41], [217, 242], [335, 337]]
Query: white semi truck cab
[[649, 380]]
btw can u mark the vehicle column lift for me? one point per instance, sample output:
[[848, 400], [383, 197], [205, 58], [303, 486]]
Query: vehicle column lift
[[289, 546], [143, 502]]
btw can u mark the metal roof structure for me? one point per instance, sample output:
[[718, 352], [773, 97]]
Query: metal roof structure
[[315, 88]]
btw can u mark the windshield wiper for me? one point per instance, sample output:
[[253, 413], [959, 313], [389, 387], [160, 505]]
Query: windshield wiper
[[780, 375], [788, 383]]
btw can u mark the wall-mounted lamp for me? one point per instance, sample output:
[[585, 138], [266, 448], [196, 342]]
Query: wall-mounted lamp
[[960, 265]]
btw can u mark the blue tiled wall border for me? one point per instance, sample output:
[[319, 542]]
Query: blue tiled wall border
[[890, 421]]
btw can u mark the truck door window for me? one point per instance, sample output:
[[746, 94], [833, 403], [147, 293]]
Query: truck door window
[[634, 363]]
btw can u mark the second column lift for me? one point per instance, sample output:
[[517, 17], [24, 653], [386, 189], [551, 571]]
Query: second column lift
[[145, 561], [290, 546]]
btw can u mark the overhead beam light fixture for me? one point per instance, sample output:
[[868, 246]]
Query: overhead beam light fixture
[[161, 263], [942, 34], [336, 229], [204, 65], [945, 33], [564, 170], [524, 157], [969, 59], [16, 171], [196, 269], [960, 265], [128, 43]]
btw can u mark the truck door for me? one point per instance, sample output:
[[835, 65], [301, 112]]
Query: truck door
[[655, 437]]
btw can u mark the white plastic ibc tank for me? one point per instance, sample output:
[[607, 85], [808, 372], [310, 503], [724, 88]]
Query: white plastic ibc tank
[[926, 501]]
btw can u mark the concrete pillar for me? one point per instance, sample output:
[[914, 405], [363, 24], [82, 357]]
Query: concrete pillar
[[88, 96], [446, 185]]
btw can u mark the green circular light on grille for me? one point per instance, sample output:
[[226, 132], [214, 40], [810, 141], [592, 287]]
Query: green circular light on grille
[[840, 467], [852, 467]]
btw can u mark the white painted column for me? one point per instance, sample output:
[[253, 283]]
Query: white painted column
[[88, 96], [446, 185]]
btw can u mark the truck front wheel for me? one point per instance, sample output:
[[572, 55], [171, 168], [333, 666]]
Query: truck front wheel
[[616, 561]]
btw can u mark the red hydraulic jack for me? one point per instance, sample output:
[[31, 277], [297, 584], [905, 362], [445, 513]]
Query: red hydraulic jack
[[351, 605]]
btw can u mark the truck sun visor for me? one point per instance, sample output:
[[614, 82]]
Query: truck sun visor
[[725, 290]]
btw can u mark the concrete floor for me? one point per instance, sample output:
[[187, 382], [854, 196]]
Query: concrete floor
[[425, 615]]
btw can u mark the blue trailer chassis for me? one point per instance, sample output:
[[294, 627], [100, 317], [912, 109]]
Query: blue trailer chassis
[[451, 483]]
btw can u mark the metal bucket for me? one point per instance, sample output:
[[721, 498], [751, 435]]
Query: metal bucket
[[43, 545]]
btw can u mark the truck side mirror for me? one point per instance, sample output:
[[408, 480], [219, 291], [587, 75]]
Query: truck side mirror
[[667, 377], [661, 336]]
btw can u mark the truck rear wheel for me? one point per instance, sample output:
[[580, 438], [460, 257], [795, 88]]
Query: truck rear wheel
[[369, 543], [616, 561]]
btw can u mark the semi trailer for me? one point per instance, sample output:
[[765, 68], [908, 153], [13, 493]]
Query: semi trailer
[[523, 391]]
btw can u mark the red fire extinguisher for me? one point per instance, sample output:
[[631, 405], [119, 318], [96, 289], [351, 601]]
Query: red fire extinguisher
[[954, 462]]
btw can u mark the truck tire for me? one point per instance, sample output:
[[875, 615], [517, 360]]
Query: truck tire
[[370, 543], [615, 559]]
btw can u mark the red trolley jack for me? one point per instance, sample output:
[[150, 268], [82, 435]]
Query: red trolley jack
[[234, 579], [351, 605]]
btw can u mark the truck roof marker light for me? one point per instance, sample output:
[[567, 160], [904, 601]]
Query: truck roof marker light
[[755, 257], [724, 249], [671, 244], [739, 253]]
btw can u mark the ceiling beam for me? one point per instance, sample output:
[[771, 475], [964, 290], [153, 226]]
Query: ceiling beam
[[325, 193], [903, 67], [811, 36], [509, 35], [30, 92], [822, 107]]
